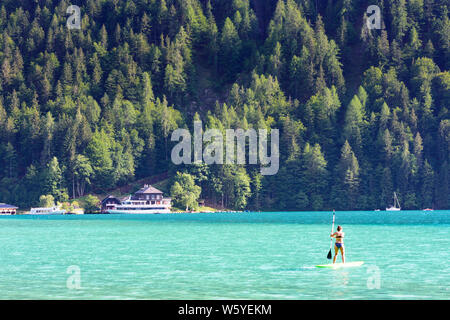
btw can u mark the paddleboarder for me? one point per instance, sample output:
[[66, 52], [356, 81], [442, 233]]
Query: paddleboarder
[[339, 244]]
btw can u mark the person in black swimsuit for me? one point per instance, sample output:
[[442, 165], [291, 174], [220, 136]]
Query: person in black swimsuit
[[339, 245]]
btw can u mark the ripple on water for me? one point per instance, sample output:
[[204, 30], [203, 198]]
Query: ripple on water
[[251, 256]]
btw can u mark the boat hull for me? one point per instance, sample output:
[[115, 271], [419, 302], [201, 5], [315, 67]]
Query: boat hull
[[137, 211], [55, 213]]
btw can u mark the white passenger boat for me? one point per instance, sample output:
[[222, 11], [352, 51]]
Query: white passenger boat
[[138, 207], [47, 211]]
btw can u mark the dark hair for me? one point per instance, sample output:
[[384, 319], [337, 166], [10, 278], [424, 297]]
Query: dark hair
[[339, 228]]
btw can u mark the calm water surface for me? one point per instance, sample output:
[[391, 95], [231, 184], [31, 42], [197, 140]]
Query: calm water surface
[[225, 256]]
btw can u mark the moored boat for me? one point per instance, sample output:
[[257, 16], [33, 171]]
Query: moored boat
[[7, 209], [395, 207], [47, 211], [138, 207]]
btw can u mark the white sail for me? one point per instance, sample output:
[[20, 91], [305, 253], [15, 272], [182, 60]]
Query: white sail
[[395, 207]]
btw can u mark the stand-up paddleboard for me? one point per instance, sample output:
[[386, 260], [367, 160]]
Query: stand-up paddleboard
[[341, 265]]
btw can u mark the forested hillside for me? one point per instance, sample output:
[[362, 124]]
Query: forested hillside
[[362, 113]]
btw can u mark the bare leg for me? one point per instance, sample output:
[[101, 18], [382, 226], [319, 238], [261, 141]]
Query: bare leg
[[335, 253], [343, 254]]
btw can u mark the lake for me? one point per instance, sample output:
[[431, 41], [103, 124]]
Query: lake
[[224, 256]]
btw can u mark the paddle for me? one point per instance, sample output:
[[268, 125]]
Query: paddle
[[331, 244]]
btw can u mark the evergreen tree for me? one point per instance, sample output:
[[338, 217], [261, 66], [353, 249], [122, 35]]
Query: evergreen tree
[[105, 99]]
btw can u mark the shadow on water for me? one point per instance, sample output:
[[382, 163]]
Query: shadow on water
[[300, 269]]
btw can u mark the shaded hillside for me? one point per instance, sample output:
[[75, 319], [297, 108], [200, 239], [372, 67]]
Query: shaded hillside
[[362, 113]]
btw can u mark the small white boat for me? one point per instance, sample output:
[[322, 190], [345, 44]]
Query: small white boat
[[395, 207], [47, 211]]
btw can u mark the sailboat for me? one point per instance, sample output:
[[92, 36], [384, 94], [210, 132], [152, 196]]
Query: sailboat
[[395, 207]]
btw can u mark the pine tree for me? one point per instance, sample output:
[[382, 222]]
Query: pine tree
[[353, 123], [346, 193], [315, 175], [10, 161], [99, 153], [230, 45], [427, 186], [48, 130]]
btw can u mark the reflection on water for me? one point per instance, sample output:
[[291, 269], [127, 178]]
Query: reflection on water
[[342, 278]]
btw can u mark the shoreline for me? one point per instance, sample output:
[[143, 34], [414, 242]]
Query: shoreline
[[383, 213]]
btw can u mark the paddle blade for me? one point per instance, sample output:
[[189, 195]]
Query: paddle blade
[[329, 254]]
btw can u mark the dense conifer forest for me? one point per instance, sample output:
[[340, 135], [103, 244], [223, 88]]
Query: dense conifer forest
[[362, 113]]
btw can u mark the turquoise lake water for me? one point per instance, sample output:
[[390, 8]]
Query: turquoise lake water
[[224, 256]]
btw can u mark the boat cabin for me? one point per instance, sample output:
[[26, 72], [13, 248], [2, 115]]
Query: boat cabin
[[7, 209], [49, 210]]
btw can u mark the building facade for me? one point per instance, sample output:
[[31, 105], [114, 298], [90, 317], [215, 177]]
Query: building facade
[[110, 202], [146, 200]]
